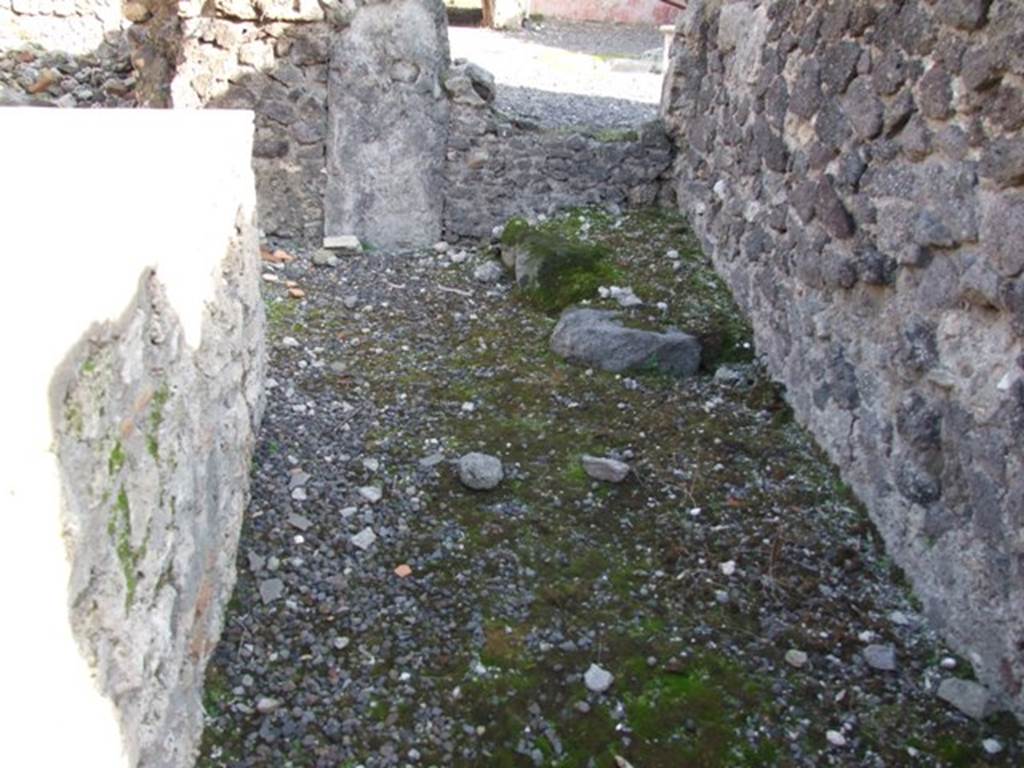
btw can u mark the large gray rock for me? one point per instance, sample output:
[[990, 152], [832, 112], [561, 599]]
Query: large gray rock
[[606, 470], [596, 337], [388, 125], [480, 471]]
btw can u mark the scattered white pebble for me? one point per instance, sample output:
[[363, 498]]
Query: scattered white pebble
[[835, 738], [468, 407], [899, 618], [371, 493], [796, 658], [948, 662], [341, 643], [365, 538], [347, 512], [992, 746], [265, 705], [371, 465], [728, 568], [290, 341], [598, 679]]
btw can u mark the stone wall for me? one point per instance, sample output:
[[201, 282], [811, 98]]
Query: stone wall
[[498, 167], [857, 171], [71, 26], [128, 429], [269, 56]]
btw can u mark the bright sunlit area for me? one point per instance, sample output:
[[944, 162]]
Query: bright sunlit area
[[561, 72]]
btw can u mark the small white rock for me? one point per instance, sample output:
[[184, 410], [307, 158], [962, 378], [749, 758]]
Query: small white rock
[[597, 679], [440, 247], [365, 538], [371, 465], [265, 705], [992, 746], [728, 568], [371, 493], [899, 618], [835, 738], [341, 643], [796, 658], [290, 341]]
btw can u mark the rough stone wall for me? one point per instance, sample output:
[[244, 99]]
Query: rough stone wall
[[133, 421], [857, 171], [72, 26], [269, 56], [497, 168]]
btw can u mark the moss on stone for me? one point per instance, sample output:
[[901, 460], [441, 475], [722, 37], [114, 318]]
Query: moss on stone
[[564, 270], [116, 459], [119, 528], [515, 231]]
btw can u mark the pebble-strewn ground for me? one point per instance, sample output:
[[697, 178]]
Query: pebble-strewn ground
[[731, 586], [565, 73], [32, 76]]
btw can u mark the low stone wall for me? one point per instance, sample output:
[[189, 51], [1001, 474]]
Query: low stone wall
[[498, 168], [137, 334], [857, 171]]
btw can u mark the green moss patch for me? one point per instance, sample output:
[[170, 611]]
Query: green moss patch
[[566, 271]]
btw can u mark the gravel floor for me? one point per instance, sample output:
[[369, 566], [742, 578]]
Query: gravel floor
[[385, 615], [561, 73]]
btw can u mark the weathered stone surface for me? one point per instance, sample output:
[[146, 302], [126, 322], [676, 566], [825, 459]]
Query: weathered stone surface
[[607, 470], [887, 296], [497, 169], [386, 135], [969, 697], [133, 415], [596, 337], [480, 471]]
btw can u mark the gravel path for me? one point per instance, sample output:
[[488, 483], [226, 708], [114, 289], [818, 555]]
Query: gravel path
[[569, 73], [729, 594]]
